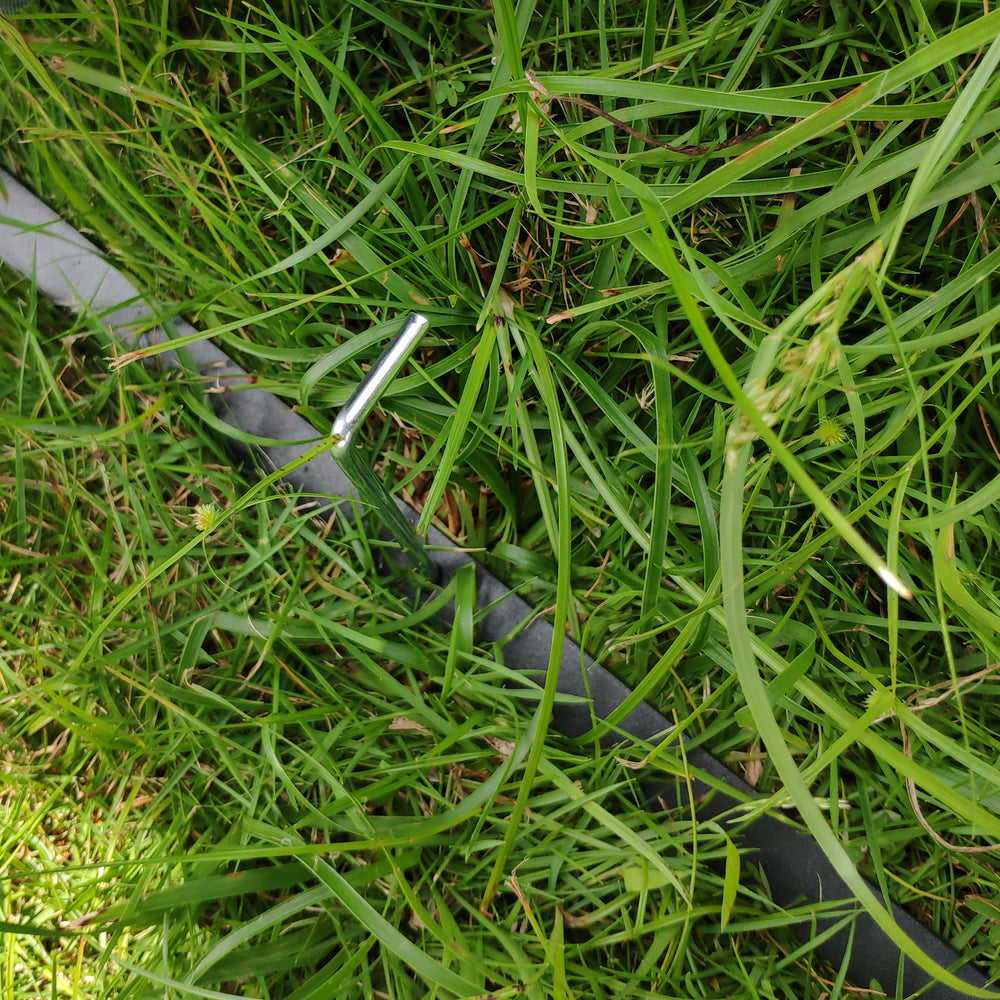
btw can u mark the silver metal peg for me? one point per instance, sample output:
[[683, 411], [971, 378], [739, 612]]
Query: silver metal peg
[[349, 458]]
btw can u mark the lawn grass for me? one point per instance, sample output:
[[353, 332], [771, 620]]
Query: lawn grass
[[698, 407]]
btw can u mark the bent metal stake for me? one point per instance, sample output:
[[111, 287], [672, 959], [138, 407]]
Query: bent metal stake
[[71, 271]]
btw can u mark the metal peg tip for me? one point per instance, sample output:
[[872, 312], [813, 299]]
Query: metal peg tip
[[371, 387], [357, 468]]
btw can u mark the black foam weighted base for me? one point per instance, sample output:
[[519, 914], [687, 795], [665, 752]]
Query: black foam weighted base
[[70, 270]]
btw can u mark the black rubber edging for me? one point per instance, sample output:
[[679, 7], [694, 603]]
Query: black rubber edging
[[71, 271]]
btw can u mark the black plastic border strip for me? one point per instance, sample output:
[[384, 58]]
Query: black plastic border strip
[[71, 271]]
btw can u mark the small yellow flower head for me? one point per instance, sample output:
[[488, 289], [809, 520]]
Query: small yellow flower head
[[205, 516], [830, 433]]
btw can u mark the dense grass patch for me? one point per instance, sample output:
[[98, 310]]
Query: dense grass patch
[[734, 388]]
